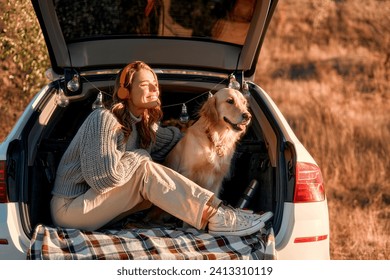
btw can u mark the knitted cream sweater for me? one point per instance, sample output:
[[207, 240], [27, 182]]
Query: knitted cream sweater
[[98, 158]]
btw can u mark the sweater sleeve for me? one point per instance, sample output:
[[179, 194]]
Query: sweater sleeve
[[104, 162], [166, 139]]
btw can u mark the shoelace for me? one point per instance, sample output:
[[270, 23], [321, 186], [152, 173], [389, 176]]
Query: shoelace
[[248, 214], [230, 219]]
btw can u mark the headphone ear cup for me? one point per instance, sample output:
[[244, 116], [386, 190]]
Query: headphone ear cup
[[123, 93]]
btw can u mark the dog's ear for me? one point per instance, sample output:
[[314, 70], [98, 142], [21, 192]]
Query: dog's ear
[[209, 110]]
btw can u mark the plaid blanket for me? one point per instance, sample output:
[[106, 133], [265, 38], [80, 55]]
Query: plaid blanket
[[146, 244]]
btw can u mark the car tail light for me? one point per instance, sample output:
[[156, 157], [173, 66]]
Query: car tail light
[[3, 184], [309, 185]]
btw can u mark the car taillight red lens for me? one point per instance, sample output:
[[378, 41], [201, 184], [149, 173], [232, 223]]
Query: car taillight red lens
[[309, 185], [310, 238], [3, 185]]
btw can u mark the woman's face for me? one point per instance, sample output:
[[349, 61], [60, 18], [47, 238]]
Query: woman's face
[[144, 92]]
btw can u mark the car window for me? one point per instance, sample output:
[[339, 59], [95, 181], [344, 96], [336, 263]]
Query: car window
[[204, 19]]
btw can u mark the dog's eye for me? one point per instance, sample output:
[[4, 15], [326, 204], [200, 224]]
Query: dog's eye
[[230, 101]]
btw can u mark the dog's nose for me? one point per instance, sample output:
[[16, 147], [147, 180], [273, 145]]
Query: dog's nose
[[246, 116]]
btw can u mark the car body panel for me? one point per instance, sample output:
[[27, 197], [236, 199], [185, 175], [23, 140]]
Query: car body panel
[[10, 229], [303, 220]]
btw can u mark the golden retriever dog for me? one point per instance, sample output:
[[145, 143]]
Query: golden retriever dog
[[205, 152]]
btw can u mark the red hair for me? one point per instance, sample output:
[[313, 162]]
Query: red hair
[[122, 113]]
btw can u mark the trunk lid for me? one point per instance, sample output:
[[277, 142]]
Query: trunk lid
[[214, 35]]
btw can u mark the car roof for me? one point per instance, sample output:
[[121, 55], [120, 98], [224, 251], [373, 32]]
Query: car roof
[[213, 35]]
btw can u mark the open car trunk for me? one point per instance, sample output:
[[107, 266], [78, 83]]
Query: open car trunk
[[57, 125]]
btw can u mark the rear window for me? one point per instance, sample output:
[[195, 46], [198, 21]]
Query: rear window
[[204, 19]]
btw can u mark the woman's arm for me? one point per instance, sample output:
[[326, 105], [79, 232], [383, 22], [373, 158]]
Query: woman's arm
[[104, 162], [166, 139]]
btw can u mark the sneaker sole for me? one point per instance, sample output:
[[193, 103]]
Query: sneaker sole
[[255, 228], [266, 216]]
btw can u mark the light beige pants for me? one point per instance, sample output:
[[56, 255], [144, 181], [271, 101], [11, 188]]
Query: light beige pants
[[152, 183]]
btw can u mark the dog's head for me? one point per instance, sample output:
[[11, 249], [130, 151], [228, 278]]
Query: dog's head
[[227, 107]]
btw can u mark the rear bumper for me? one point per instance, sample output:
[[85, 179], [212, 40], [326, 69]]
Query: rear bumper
[[304, 233], [11, 231]]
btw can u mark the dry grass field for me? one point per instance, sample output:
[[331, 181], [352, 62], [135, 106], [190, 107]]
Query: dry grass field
[[327, 66]]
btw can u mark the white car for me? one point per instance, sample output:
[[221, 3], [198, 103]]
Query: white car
[[195, 47]]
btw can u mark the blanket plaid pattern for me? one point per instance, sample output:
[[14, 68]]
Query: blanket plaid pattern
[[145, 244]]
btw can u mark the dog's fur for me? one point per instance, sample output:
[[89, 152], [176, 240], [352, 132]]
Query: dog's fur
[[204, 154]]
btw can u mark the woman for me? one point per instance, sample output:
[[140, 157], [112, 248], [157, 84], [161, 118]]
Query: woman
[[107, 171]]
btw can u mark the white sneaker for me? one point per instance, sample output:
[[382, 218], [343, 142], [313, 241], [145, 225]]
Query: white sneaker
[[230, 221]]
